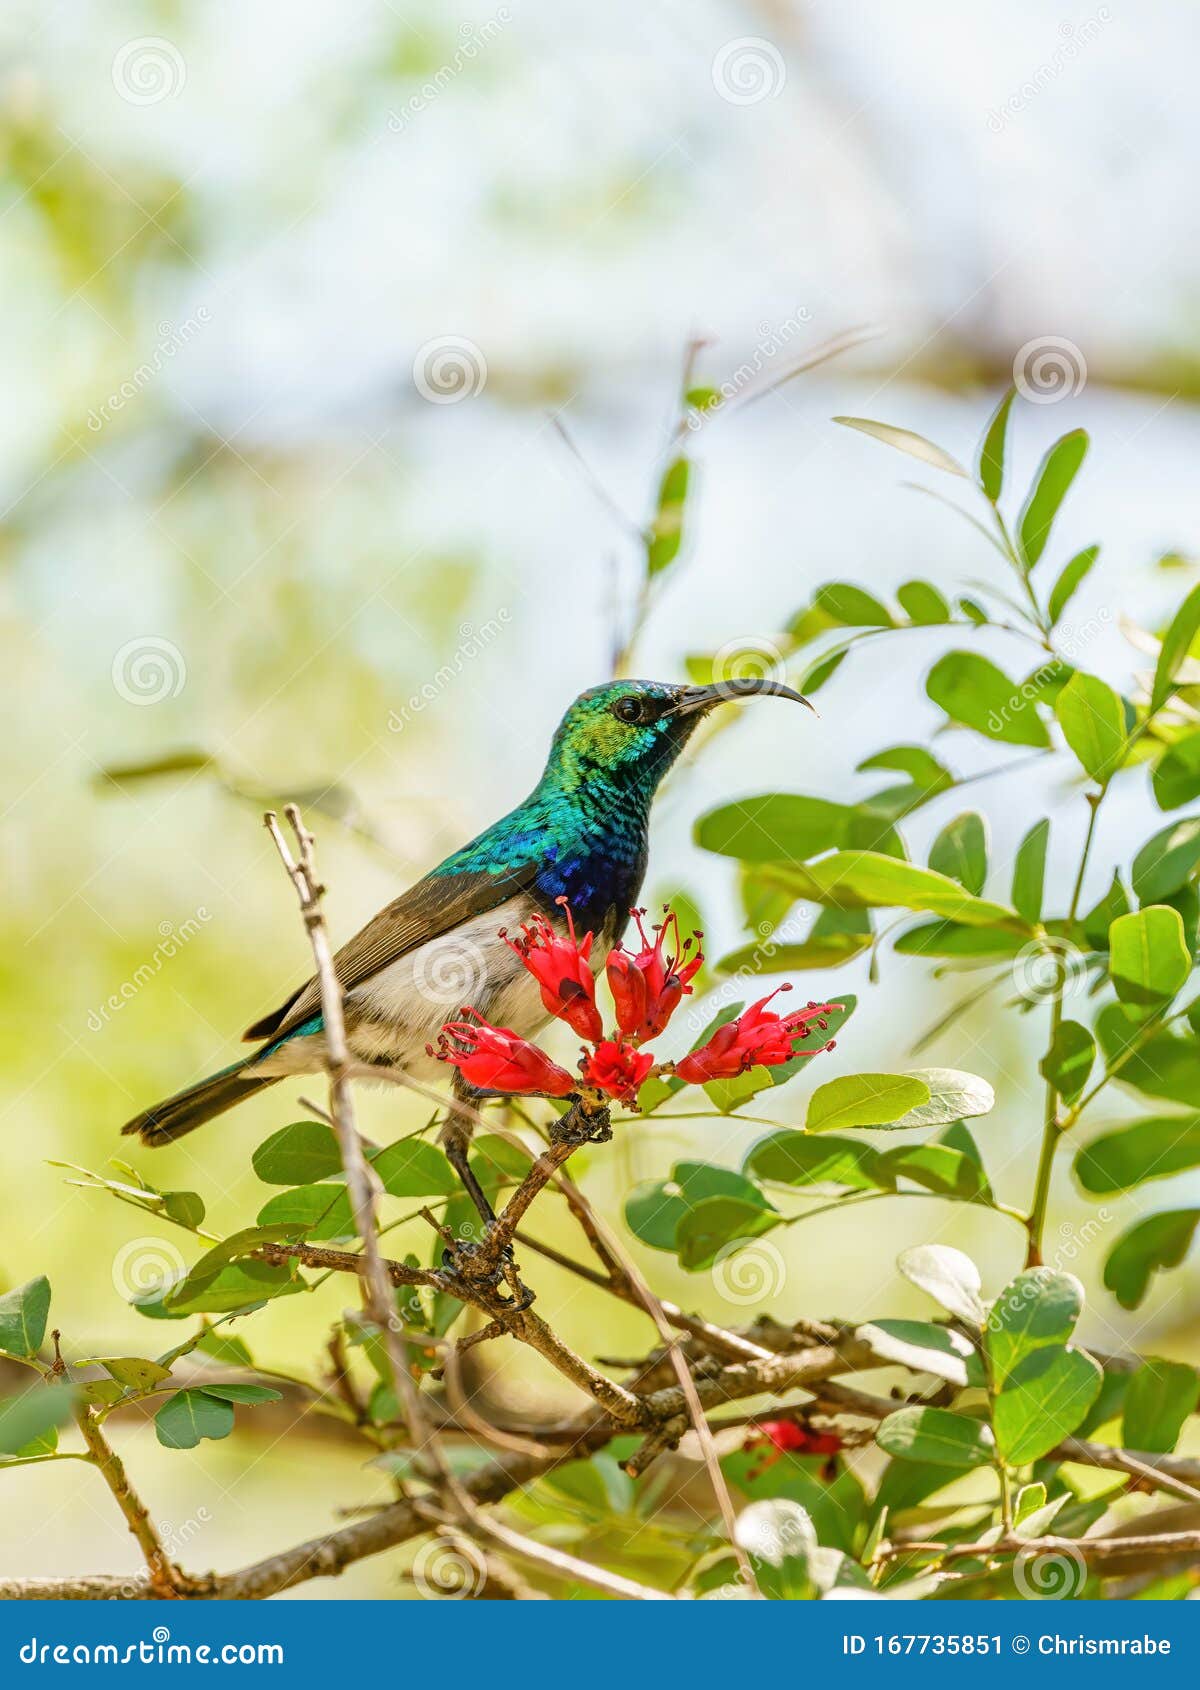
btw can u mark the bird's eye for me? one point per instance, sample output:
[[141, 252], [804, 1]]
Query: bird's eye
[[628, 708]]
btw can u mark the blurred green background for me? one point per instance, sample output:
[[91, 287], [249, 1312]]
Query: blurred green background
[[288, 301]]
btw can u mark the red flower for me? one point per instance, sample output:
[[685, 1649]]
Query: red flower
[[786, 1437], [757, 1036], [497, 1059], [616, 1068], [647, 986], [560, 967]]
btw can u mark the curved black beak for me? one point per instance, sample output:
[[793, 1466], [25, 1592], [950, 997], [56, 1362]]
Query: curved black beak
[[690, 700]]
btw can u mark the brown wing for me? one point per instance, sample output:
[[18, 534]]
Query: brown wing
[[430, 908]]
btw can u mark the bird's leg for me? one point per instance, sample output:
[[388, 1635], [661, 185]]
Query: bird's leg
[[455, 1139]]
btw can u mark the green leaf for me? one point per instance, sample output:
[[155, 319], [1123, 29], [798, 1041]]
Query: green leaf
[[1158, 1400], [975, 694], [1097, 921], [1029, 872], [244, 1393], [1042, 1402], [1145, 1150], [1175, 647], [953, 1096], [1056, 472], [951, 939], [1176, 777], [1068, 1062], [232, 1287], [866, 879], [300, 1154], [23, 1315], [1038, 1308], [32, 1414], [779, 827], [795, 1158], [836, 937], [925, 1348], [1165, 861], [904, 440], [1149, 960], [990, 468], [709, 1226], [655, 1209], [1069, 582], [1160, 1241], [822, 669], [1164, 1065], [960, 851], [222, 1348], [410, 1168], [188, 1416], [947, 1276], [666, 530], [316, 1212], [939, 1169], [186, 1208], [936, 1436], [863, 1100], [136, 1373], [1092, 719], [922, 603], [852, 607]]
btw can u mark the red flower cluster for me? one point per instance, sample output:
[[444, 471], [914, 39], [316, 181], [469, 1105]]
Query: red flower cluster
[[757, 1036], [778, 1438], [647, 987]]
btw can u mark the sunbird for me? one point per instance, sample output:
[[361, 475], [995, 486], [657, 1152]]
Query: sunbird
[[574, 850]]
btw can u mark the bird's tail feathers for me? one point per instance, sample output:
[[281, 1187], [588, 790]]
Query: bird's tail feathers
[[189, 1109]]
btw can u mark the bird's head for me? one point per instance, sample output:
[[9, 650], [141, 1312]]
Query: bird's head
[[632, 731]]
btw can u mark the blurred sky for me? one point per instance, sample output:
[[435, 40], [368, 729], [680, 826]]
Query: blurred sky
[[242, 248]]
